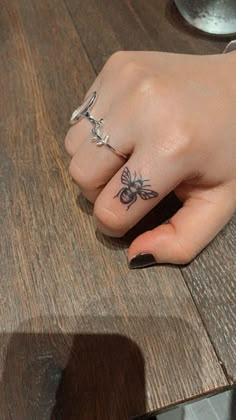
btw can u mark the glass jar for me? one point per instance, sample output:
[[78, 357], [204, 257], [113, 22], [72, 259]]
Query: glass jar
[[213, 16]]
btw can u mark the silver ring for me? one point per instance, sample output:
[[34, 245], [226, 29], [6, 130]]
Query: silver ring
[[97, 136], [231, 46]]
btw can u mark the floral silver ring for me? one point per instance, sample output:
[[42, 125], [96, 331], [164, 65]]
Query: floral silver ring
[[98, 137]]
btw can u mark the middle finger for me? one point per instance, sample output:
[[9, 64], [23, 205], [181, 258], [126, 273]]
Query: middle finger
[[92, 166]]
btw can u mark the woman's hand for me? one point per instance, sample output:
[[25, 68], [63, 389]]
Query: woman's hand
[[175, 117]]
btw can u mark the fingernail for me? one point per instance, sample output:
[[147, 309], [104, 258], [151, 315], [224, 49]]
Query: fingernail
[[142, 260]]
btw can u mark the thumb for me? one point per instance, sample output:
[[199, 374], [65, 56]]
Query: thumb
[[202, 216]]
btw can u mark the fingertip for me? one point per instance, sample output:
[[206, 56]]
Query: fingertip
[[107, 221]]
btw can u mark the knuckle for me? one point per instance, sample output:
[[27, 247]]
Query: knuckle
[[130, 69], [183, 139], [176, 144], [146, 86], [124, 65]]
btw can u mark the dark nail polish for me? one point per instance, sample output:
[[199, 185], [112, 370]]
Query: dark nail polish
[[142, 260]]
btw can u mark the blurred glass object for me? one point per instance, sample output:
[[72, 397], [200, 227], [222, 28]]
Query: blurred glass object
[[213, 16], [230, 47]]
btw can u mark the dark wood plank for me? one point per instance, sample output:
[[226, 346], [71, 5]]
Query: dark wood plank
[[136, 25], [78, 330], [211, 278]]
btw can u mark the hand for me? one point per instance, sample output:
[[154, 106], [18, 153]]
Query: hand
[[175, 117]]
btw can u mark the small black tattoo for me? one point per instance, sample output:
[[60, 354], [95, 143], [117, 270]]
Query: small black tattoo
[[133, 188]]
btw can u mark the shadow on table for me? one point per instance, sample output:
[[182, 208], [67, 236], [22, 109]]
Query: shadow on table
[[64, 377], [91, 375]]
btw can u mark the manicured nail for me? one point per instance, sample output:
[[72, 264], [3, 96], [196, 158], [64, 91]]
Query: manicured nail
[[142, 260]]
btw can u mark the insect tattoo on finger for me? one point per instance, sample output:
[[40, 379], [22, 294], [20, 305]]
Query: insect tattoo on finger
[[133, 188]]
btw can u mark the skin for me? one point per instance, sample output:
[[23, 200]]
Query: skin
[[175, 116]]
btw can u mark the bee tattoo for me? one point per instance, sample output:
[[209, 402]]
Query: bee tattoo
[[133, 188]]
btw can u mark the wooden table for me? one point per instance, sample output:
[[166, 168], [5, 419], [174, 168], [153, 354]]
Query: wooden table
[[82, 336]]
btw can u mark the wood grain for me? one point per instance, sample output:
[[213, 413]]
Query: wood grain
[[136, 25], [211, 279], [79, 332]]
